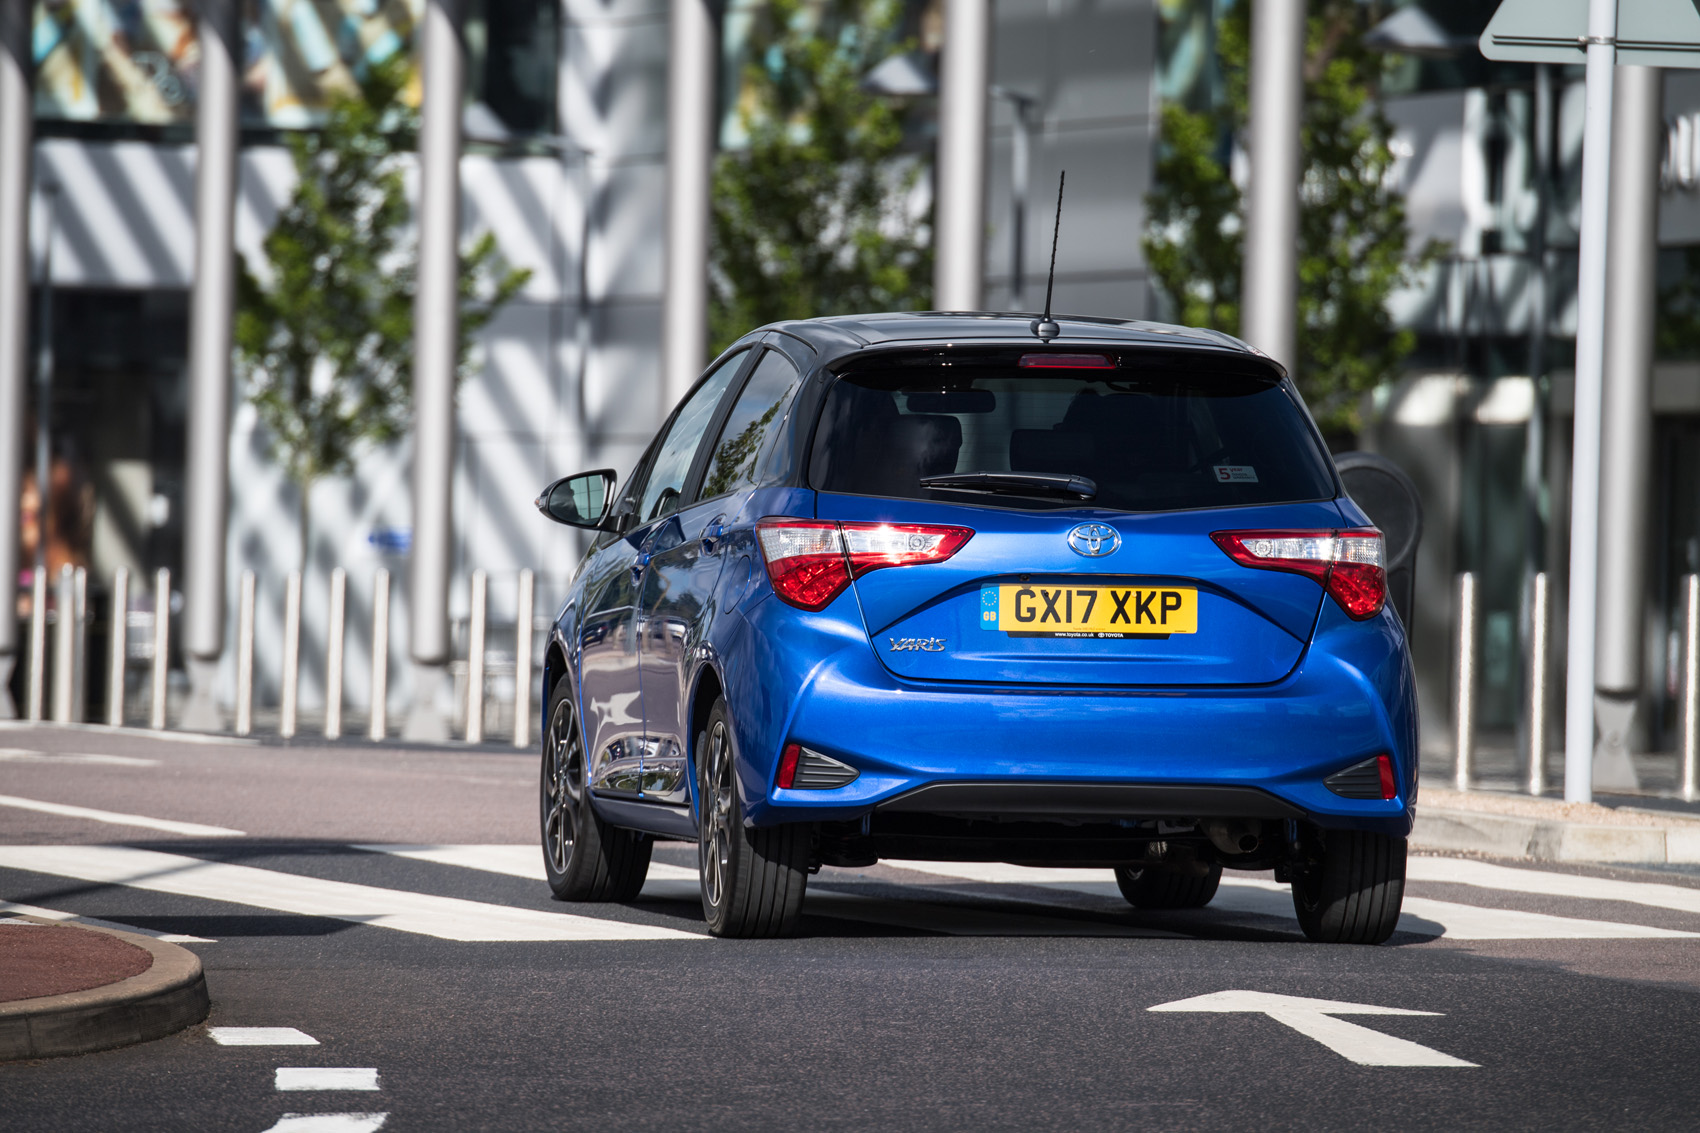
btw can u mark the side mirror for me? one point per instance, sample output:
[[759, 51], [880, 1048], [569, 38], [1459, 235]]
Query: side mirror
[[579, 501]]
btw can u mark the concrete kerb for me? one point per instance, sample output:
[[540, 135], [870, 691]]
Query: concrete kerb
[[1634, 837], [170, 995]]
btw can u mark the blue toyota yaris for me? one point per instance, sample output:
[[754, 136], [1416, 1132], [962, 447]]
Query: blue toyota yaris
[[931, 586]]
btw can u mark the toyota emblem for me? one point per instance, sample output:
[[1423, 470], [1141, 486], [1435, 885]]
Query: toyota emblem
[[1094, 539]]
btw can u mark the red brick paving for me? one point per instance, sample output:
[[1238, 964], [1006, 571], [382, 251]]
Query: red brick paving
[[37, 960]]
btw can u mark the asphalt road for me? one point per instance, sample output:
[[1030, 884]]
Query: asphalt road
[[386, 904]]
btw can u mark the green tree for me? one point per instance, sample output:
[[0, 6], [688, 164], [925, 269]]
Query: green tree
[[810, 218], [1353, 238], [325, 343]]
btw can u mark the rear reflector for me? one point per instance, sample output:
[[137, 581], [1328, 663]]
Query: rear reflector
[[811, 561], [1067, 362], [804, 769], [788, 766], [1371, 779], [1349, 564]]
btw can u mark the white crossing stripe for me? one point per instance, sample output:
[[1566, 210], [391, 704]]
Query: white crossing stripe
[[261, 1036], [137, 733], [1547, 883], [327, 1078], [329, 1123], [446, 918], [1272, 899], [95, 922], [170, 826], [27, 755], [523, 860]]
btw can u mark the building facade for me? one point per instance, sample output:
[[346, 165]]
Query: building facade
[[565, 165]]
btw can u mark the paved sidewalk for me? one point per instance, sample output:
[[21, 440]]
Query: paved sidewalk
[[70, 989], [1505, 824]]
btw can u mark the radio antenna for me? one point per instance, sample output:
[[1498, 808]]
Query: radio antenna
[[1046, 327]]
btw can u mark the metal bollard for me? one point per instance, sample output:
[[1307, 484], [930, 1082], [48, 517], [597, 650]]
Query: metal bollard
[[38, 646], [1464, 682], [522, 659], [80, 646], [120, 647], [380, 653], [291, 653], [65, 646], [161, 645], [1691, 687], [333, 655], [1540, 691], [475, 659], [245, 656]]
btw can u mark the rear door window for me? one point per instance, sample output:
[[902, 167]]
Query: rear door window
[[746, 441], [673, 459], [1140, 440]]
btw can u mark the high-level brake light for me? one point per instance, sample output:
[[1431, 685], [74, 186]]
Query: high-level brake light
[[811, 561], [1060, 361], [1350, 565]]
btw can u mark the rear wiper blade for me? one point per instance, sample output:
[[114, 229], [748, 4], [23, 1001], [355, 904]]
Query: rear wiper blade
[[1015, 483]]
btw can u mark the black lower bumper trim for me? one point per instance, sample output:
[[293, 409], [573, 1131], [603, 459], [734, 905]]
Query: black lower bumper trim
[[1108, 800]]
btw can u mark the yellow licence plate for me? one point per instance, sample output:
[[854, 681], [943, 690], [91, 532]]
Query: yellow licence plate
[[1039, 610]]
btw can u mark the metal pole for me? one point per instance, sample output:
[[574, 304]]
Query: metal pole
[[333, 655], [245, 655], [161, 646], [1590, 368], [959, 210], [1540, 690], [65, 645], [1535, 437], [522, 658], [17, 136], [436, 320], [475, 659], [44, 391], [38, 645], [1691, 687], [1020, 151], [291, 654], [380, 654], [207, 477], [693, 45], [1626, 426], [120, 651], [1269, 287], [1464, 682]]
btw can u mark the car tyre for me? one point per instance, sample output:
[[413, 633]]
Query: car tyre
[[585, 857], [752, 878], [1185, 884], [1352, 894]]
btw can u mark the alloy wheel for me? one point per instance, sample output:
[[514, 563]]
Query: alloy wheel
[[717, 815], [563, 790]]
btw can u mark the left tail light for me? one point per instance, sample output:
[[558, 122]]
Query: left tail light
[[811, 561], [1350, 564]]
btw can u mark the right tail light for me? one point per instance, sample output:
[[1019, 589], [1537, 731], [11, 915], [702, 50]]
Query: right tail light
[[1350, 564]]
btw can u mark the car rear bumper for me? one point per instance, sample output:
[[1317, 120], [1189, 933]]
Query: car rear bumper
[[1251, 752]]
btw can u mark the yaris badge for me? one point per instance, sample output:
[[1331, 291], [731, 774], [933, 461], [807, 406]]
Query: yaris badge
[[1094, 539]]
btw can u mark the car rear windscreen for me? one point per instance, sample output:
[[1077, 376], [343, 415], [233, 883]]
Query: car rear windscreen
[[1144, 441]]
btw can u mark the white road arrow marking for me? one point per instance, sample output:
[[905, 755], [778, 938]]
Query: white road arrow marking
[[1314, 1018]]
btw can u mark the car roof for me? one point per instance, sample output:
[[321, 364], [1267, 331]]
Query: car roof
[[836, 335]]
